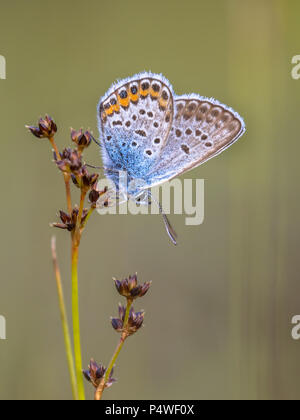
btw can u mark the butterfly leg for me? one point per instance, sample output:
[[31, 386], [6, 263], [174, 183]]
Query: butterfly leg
[[169, 228]]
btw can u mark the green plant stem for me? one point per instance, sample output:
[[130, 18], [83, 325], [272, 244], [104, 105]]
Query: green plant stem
[[101, 387], [76, 322], [67, 178], [91, 210], [77, 233], [64, 320]]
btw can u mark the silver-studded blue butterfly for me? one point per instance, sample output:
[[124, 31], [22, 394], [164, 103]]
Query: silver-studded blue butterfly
[[152, 134]]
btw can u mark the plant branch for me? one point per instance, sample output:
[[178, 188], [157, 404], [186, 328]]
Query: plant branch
[[87, 218], [52, 141], [76, 322], [64, 320], [101, 387], [67, 178]]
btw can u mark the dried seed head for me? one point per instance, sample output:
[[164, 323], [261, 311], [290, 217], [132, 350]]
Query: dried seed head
[[82, 139], [135, 321], [95, 194], [46, 128], [87, 181], [68, 222], [130, 288], [96, 372], [70, 161]]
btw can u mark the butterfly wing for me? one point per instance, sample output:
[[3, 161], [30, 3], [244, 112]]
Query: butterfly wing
[[202, 129], [135, 118]]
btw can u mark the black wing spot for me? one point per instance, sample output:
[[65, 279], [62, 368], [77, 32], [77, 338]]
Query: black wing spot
[[117, 123], [141, 133], [185, 148]]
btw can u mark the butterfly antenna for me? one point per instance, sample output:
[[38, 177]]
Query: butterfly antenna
[[101, 168], [169, 228], [94, 167], [96, 141]]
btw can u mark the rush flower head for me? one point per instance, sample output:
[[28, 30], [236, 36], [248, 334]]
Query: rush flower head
[[95, 194], [135, 321], [69, 221], [84, 180], [46, 128], [96, 372], [130, 288], [70, 161], [82, 139]]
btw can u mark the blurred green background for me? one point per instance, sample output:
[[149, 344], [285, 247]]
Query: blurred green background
[[218, 317]]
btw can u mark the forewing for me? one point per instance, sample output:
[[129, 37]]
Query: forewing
[[135, 118]]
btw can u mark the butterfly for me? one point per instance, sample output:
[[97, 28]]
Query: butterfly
[[153, 135]]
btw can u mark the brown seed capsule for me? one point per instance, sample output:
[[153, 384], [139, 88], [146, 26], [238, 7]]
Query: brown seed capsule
[[95, 194], [130, 288], [70, 161], [96, 372], [82, 139], [135, 321], [68, 222], [46, 128]]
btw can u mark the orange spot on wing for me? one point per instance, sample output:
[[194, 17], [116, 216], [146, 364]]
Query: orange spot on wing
[[116, 108], [163, 103], [109, 111], [154, 94], [144, 92], [123, 102], [133, 98]]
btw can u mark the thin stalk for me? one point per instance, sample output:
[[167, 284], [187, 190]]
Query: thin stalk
[[77, 234], [52, 141], [76, 323], [75, 300], [101, 387], [91, 210], [67, 178], [64, 320]]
